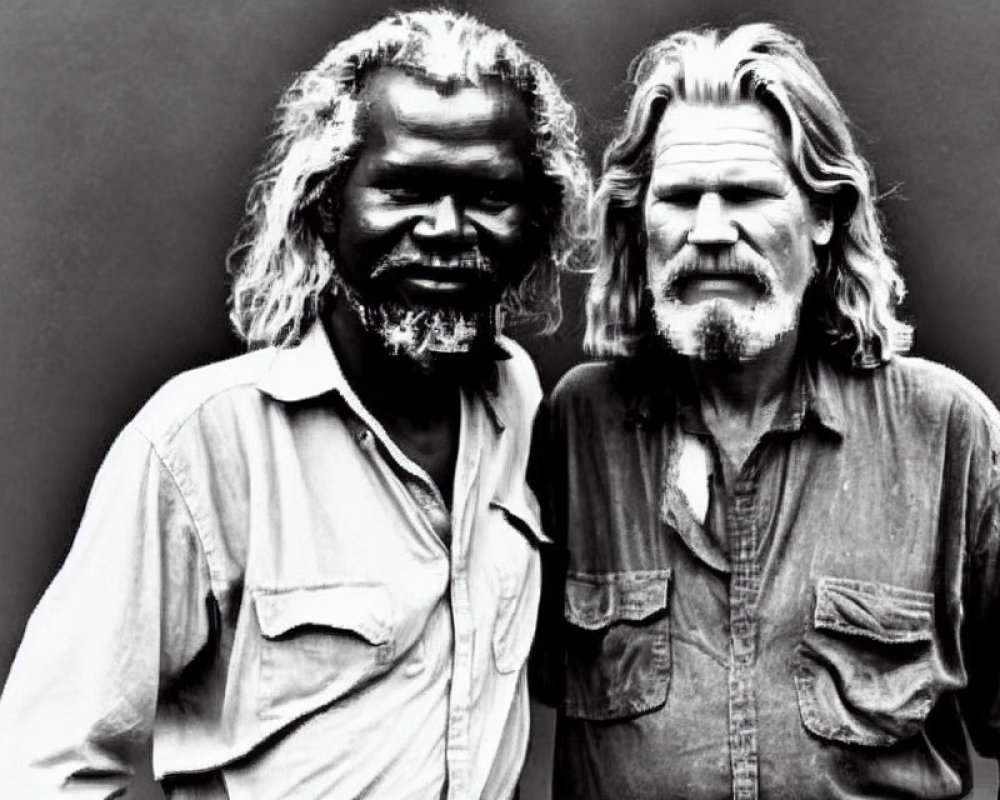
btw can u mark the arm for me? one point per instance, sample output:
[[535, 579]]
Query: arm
[[545, 475], [981, 699], [123, 616]]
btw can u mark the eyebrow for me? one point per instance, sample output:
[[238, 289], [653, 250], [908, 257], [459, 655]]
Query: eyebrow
[[500, 170]]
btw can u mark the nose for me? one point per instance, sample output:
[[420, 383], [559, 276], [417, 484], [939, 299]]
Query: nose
[[443, 224], [711, 226]]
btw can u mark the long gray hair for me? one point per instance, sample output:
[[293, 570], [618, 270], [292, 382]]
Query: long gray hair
[[850, 309], [280, 269]]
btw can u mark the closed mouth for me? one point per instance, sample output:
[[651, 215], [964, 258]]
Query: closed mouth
[[720, 280]]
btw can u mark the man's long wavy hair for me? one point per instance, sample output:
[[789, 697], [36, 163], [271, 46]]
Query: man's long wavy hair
[[280, 270], [849, 310]]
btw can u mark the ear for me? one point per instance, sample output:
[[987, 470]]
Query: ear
[[822, 226], [326, 213], [324, 205]]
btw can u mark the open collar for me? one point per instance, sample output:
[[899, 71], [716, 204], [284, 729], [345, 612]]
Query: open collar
[[305, 370], [310, 368], [659, 385]]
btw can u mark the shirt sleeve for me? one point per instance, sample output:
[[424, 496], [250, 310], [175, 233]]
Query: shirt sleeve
[[981, 700], [122, 617]]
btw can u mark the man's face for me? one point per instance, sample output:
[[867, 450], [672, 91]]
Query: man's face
[[731, 235], [433, 217]]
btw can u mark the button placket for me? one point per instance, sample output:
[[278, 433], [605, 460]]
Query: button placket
[[744, 591], [460, 691]]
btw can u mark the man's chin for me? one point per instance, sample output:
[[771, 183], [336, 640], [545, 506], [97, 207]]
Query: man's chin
[[431, 338], [720, 333], [434, 341]]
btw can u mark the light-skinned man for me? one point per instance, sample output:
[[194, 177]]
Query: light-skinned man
[[781, 534]]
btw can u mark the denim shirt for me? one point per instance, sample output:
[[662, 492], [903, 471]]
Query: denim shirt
[[269, 592], [821, 628]]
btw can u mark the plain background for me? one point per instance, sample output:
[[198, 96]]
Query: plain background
[[129, 130]]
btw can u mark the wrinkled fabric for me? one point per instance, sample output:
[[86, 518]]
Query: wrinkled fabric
[[261, 587], [821, 627]]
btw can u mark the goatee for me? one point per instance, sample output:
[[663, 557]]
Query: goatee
[[719, 337], [427, 336]]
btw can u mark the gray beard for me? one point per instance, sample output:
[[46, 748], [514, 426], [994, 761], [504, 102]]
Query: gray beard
[[421, 333], [721, 329], [719, 338]]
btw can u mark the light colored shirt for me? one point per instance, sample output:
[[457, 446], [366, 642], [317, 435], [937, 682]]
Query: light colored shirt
[[261, 587]]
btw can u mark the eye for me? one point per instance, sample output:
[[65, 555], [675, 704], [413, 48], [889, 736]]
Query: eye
[[745, 194], [685, 198], [405, 194], [497, 197]]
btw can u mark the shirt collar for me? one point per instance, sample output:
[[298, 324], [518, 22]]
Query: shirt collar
[[310, 368], [824, 396], [661, 386], [303, 371]]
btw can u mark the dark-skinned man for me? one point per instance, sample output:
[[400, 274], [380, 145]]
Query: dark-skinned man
[[312, 571]]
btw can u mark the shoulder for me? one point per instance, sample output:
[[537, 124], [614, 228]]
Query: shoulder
[[594, 401], [599, 391], [931, 387], [925, 399], [592, 381], [227, 383]]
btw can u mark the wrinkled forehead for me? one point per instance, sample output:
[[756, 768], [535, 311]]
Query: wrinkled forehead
[[401, 102], [705, 138]]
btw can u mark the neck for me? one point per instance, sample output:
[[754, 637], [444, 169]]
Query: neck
[[391, 387], [739, 399]]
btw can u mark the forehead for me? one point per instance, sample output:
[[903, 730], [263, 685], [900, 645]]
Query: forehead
[[403, 105], [716, 140]]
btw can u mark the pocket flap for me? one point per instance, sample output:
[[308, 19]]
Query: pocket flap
[[523, 515], [877, 611], [595, 601], [361, 608]]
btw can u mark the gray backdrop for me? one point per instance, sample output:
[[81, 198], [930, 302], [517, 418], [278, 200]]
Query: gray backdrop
[[128, 131]]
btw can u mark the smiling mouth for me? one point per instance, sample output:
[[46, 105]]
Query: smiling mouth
[[469, 261], [438, 285]]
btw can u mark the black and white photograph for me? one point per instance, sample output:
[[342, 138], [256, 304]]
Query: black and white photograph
[[513, 400]]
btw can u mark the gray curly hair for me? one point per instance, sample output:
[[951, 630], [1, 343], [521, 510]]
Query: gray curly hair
[[850, 309], [280, 270]]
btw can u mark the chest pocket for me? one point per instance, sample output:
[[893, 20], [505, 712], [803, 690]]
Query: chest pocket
[[864, 673], [320, 643], [617, 643]]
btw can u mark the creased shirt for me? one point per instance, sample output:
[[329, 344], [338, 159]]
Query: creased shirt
[[260, 586], [819, 627]]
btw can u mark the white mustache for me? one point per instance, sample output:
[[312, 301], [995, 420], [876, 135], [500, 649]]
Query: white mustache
[[729, 263]]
